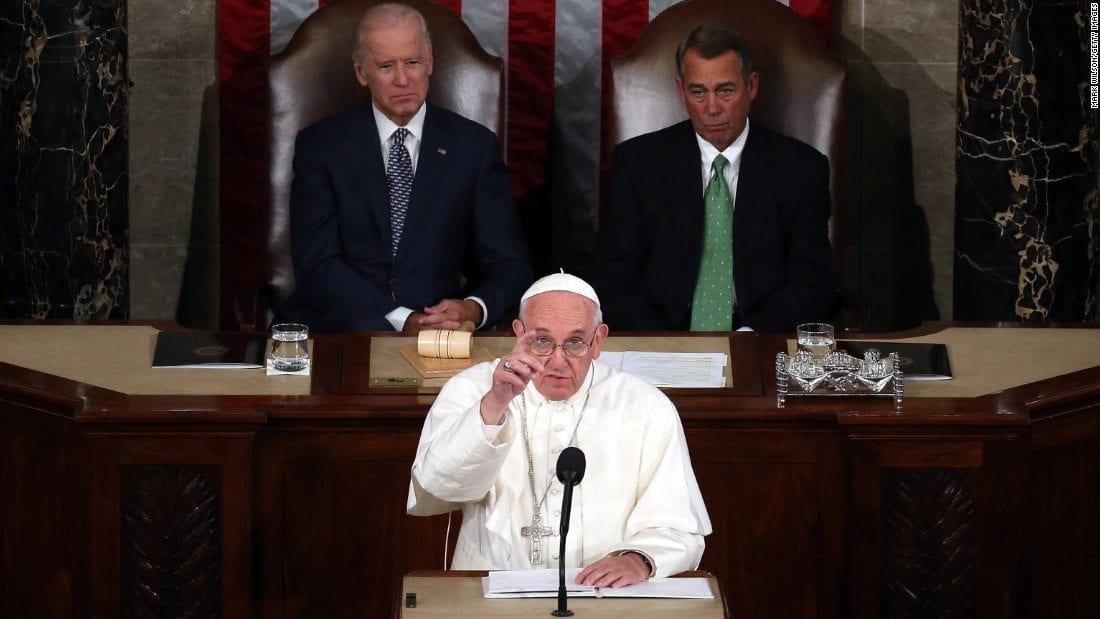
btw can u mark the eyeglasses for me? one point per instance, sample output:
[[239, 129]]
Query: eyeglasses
[[574, 346]]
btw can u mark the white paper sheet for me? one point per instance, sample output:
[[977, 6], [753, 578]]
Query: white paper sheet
[[672, 369], [544, 583]]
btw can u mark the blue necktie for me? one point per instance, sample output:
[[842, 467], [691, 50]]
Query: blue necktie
[[399, 176]]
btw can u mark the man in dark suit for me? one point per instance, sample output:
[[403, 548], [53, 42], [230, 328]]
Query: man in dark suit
[[715, 223], [399, 207]]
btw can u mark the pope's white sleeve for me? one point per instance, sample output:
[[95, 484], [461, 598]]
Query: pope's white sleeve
[[669, 519], [454, 462]]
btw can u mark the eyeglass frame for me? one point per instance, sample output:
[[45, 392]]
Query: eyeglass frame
[[587, 346]]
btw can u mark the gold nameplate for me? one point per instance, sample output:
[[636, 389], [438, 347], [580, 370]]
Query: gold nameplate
[[396, 381]]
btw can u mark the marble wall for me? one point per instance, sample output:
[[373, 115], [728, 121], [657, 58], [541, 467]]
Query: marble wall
[[173, 161], [1027, 207], [63, 148]]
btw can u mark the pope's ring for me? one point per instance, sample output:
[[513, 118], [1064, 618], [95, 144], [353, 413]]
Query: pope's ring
[[507, 366]]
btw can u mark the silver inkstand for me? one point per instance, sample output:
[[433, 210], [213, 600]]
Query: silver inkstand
[[838, 374]]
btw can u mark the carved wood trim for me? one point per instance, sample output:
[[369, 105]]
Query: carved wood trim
[[171, 541], [929, 544]]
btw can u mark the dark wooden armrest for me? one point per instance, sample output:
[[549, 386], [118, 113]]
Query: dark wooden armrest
[[255, 307]]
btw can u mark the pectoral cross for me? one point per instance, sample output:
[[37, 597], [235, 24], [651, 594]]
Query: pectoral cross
[[536, 532]]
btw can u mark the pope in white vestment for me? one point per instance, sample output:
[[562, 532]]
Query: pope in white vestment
[[491, 441]]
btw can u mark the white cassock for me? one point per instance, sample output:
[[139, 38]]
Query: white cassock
[[638, 493]]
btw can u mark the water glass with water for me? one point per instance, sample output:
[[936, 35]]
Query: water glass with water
[[289, 347], [817, 339]]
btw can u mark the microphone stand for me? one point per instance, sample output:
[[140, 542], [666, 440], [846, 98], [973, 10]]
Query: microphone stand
[[566, 506]]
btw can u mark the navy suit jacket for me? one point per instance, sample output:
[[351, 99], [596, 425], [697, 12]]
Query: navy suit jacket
[[650, 237], [462, 235]]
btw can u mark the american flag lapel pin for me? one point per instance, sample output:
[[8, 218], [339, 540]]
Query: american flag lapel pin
[[441, 151]]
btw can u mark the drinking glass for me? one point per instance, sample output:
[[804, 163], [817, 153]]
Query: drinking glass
[[289, 347], [817, 339]]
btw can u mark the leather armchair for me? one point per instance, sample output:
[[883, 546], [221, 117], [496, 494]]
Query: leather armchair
[[313, 78], [801, 91]]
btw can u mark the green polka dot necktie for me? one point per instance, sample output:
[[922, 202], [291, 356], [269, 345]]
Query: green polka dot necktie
[[712, 305]]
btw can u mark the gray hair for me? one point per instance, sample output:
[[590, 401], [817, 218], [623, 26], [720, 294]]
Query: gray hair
[[711, 41], [525, 302], [386, 15]]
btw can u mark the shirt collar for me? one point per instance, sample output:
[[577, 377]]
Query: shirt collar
[[386, 127], [732, 153]]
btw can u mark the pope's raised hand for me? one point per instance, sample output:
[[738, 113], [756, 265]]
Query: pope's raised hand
[[510, 377]]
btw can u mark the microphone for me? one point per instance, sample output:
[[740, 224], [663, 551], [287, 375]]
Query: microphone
[[570, 466], [570, 472]]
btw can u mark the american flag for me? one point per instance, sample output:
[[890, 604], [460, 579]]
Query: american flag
[[555, 54]]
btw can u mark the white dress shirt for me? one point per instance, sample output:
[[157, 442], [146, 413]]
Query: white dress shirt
[[732, 153]]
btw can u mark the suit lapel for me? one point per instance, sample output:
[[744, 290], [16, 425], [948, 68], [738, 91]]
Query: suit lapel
[[755, 184], [364, 155], [430, 164], [684, 181]]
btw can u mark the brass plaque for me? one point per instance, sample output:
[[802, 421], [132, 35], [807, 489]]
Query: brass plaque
[[396, 381]]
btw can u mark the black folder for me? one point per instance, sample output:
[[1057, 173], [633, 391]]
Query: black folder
[[200, 349]]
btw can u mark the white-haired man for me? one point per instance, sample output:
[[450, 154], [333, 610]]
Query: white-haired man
[[491, 441], [401, 214]]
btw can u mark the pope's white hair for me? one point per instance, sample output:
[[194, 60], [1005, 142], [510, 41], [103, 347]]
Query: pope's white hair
[[593, 309]]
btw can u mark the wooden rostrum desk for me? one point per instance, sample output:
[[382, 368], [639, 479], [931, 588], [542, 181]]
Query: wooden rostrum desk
[[131, 490]]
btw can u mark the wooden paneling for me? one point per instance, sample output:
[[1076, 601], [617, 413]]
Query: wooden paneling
[[171, 541], [36, 545], [773, 543], [295, 506], [929, 544], [334, 535], [1064, 509], [118, 465]]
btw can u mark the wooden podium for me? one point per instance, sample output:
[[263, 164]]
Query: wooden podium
[[127, 490], [445, 595]]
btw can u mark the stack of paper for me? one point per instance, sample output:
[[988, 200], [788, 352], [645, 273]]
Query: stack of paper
[[544, 584], [672, 369]]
